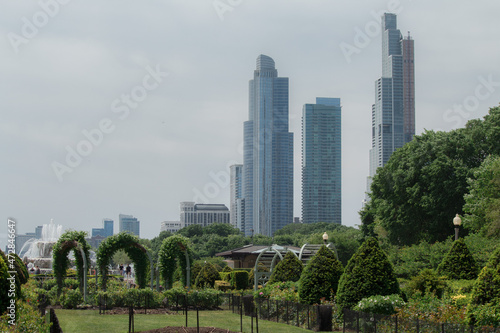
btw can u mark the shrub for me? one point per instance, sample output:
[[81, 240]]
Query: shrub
[[227, 269], [71, 284], [222, 285], [486, 291], [71, 298], [289, 269], [459, 264], [48, 284], [286, 291], [320, 277], [427, 282], [368, 273], [141, 298], [385, 305], [207, 276], [484, 314], [225, 276], [4, 283], [239, 280], [31, 320], [196, 268]]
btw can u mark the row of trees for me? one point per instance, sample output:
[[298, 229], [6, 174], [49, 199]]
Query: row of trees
[[218, 237], [425, 183]]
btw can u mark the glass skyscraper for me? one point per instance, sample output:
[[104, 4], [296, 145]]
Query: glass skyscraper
[[267, 153], [393, 114], [237, 218], [321, 161], [129, 224]]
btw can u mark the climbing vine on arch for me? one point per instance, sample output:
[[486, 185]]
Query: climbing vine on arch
[[69, 241], [174, 248], [136, 252]]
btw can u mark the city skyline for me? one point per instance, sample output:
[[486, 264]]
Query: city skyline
[[160, 91]]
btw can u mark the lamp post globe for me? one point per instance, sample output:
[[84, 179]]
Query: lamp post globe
[[457, 221], [325, 238]]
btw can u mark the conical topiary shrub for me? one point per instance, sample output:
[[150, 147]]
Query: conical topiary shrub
[[484, 307], [458, 264], [368, 273], [320, 277], [207, 276], [289, 269]]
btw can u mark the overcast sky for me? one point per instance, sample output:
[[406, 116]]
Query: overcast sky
[[131, 107]]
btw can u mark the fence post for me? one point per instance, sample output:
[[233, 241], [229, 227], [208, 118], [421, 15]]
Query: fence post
[[324, 318], [298, 312], [277, 312], [418, 326], [131, 319], [241, 315], [186, 308], [396, 319], [197, 320], [308, 313], [251, 320], [343, 321], [286, 312]]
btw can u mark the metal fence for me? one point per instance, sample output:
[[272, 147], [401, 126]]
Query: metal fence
[[372, 323]]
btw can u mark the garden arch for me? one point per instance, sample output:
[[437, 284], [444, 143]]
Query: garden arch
[[175, 248], [71, 240], [268, 257], [136, 252]]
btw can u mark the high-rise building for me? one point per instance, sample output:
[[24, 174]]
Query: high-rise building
[[393, 114], [321, 161], [108, 227], [203, 214], [105, 231], [129, 224], [267, 153], [236, 202]]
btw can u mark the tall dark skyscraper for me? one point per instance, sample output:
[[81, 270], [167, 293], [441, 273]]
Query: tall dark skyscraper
[[267, 153], [393, 114], [321, 161]]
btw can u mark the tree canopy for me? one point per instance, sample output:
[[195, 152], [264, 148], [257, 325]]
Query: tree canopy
[[482, 203], [417, 193]]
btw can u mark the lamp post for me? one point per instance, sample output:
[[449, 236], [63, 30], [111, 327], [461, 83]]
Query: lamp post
[[325, 238], [457, 221]]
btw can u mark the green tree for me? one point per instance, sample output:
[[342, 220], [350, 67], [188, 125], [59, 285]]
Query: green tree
[[191, 231], [482, 203], [120, 257], [422, 186], [368, 273], [221, 229], [427, 282], [320, 277], [289, 269], [156, 244], [459, 264]]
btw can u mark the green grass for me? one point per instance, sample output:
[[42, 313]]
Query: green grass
[[91, 321]]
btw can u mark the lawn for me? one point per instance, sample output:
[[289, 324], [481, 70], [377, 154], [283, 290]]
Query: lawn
[[91, 321]]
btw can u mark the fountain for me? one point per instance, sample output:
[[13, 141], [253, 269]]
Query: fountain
[[39, 251]]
